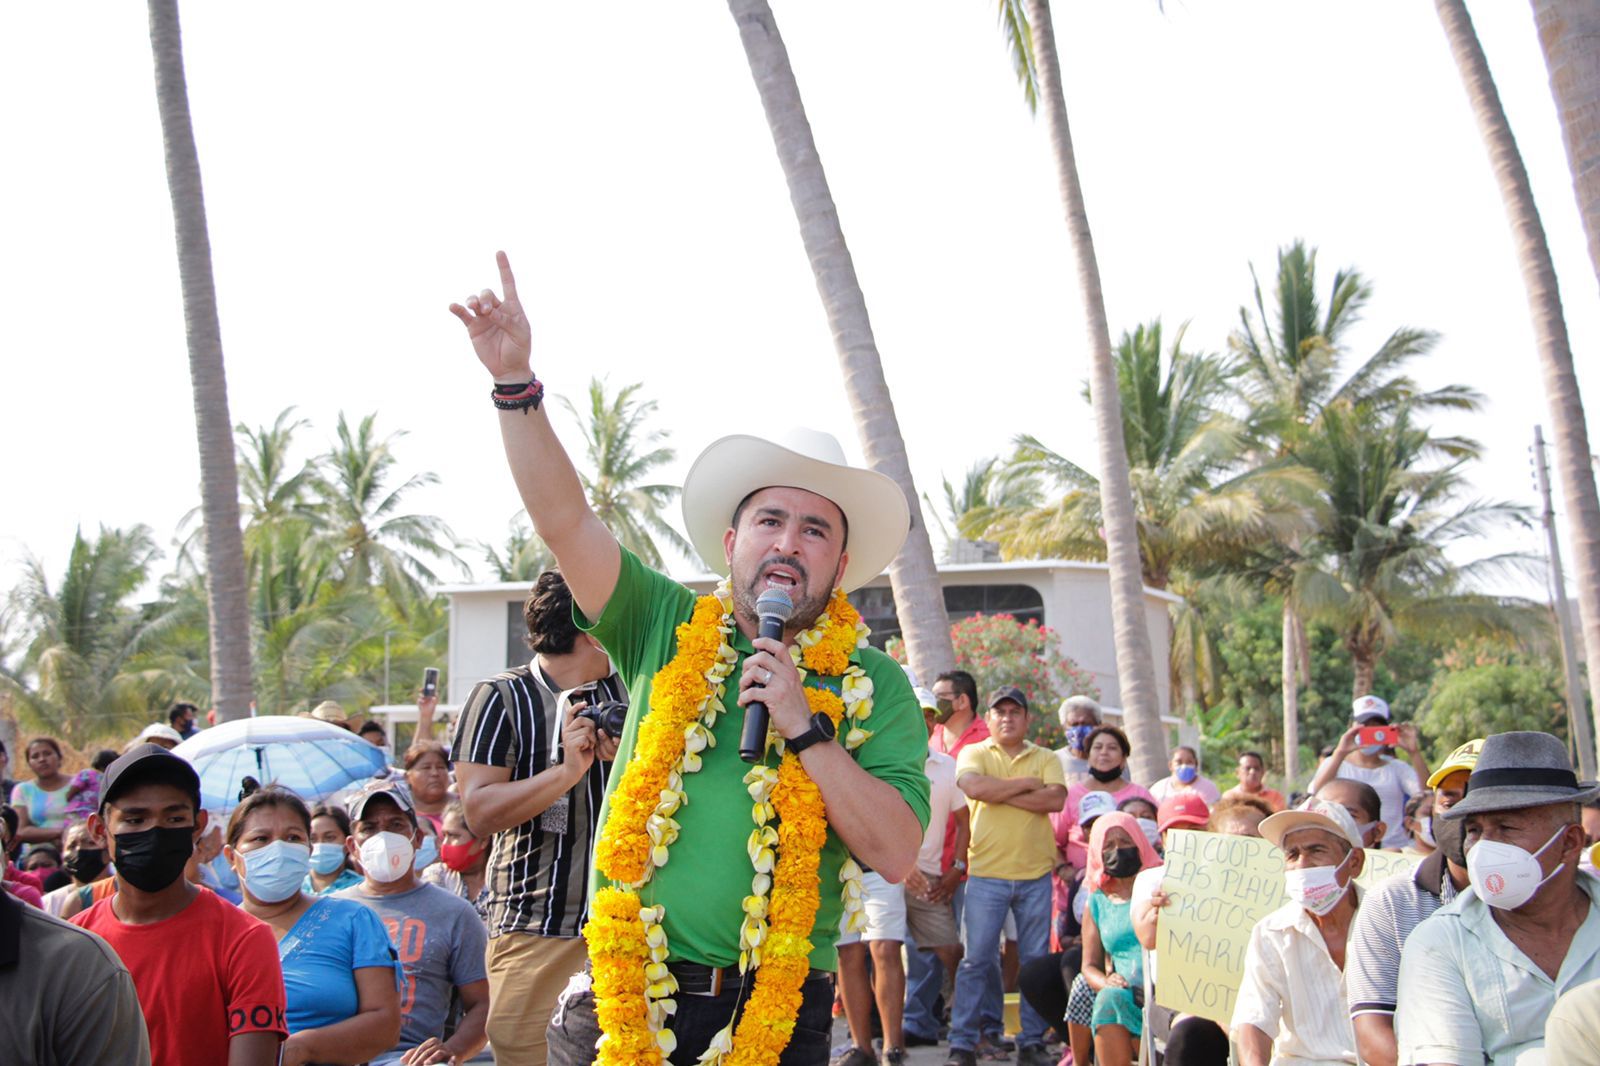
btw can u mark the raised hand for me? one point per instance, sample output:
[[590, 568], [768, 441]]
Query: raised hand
[[499, 329], [1409, 739]]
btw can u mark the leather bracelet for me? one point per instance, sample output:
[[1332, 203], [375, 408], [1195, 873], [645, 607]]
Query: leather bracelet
[[520, 398]]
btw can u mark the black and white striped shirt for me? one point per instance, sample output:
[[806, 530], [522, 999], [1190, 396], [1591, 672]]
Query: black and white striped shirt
[[537, 875]]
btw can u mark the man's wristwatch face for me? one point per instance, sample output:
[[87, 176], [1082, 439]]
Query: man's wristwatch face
[[822, 728]]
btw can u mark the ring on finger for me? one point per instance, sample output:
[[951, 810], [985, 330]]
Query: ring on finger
[[767, 679]]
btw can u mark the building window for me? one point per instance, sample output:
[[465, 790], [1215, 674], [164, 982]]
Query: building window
[[960, 601]]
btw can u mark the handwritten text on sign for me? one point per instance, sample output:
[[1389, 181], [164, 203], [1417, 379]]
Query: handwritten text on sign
[[1221, 886]]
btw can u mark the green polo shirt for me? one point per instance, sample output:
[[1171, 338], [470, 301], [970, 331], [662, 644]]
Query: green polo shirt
[[708, 874]]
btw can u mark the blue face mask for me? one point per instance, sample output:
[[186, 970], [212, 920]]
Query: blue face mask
[[1372, 749], [427, 854], [274, 873], [1078, 736], [1187, 774], [327, 858]]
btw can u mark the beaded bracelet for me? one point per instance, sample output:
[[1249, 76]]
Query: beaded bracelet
[[518, 397]]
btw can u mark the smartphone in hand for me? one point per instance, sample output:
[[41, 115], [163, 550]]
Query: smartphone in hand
[[1386, 735], [430, 682]]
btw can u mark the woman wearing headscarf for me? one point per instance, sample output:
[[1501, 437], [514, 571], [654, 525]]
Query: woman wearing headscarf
[[1045, 982], [1113, 960]]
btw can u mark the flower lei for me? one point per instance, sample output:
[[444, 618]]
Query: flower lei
[[628, 948]]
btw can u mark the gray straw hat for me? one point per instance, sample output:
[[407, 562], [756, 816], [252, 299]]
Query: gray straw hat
[[1518, 770]]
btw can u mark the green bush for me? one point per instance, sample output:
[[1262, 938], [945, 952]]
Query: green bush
[[1484, 698]]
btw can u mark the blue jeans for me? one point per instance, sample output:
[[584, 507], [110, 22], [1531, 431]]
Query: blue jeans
[[994, 999], [924, 978], [978, 977]]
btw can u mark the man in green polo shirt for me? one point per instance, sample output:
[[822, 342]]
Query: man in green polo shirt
[[770, 516]]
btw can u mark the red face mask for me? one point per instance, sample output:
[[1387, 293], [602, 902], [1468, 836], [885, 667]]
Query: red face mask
[[460, 856]]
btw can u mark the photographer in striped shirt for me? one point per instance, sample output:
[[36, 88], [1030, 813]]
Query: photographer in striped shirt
[[532, 771]]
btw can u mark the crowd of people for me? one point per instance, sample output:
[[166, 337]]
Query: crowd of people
[[1039, 871], [689, 826], [347, 931]]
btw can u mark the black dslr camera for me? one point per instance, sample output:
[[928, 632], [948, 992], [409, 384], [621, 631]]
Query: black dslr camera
[[609, 716]]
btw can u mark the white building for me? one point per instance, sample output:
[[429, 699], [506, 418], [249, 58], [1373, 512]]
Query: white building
[[486, 627]]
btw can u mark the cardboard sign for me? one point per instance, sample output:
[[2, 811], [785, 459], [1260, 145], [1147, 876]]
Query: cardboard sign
[[1382, 865], [1221, 886]]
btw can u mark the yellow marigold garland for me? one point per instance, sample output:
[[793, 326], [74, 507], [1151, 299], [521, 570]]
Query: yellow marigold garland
[[681, 687], [627, 942]]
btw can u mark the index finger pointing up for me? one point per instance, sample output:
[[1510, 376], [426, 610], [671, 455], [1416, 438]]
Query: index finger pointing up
[[507, 281]]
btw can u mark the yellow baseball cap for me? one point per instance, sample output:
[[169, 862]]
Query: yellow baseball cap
[[1463, 758]]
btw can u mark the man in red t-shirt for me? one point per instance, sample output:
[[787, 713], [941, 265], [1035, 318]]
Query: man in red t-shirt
[[207, 973]]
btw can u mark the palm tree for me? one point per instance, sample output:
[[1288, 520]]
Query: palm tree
[[1031, 36], [1197, 503], [621, 452], [1569, 33], [85, 652], [1201, 508], [919, 601], [288, 561], [985, 489], [1384, 554], [1569, 430], [1288, 363], [523, 557], [226, 583], [362, 523], [271, 493]]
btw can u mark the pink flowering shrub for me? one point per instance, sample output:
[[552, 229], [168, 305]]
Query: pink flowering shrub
[[998, 650]]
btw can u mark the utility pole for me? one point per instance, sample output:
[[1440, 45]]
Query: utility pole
[[1577, 711]]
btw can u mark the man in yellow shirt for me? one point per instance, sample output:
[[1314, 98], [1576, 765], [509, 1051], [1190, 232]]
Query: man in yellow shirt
[[1012, 788]]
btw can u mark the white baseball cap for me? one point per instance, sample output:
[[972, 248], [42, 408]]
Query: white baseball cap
[[1369, 706]]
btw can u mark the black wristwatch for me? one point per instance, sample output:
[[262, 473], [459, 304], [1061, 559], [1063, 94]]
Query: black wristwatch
[[822, 728]]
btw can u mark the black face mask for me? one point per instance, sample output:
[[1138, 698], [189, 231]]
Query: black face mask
[[1105, 777], [85, 864], [1121, 862], [152, 859]]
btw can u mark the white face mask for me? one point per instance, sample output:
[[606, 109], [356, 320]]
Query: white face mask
[[1425, 831], [387, 856], [1151, 832], [1316, 888], [1505, 875]]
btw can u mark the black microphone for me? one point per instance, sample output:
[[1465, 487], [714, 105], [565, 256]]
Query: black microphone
[[773, 608]]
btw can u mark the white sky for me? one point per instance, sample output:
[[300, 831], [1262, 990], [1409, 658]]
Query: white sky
[[363, 161]]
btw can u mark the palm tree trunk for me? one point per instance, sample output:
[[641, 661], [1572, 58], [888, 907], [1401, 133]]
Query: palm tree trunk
[[1569, 33], [226, 586], [1366, 668], [1136, 673], [1569, 431], [918, 596], [1291, 700]]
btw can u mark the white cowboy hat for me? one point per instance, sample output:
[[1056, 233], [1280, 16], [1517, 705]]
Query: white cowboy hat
[[732, 468]]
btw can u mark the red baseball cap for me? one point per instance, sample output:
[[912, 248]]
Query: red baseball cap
[[1182, 808]]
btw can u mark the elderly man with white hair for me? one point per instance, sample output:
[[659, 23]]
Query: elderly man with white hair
[[1291, 1005]]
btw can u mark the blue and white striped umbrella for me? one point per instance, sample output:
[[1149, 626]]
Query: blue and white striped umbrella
[[305, 755]]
